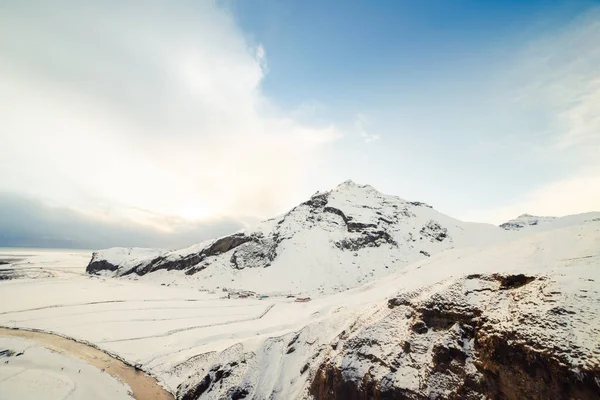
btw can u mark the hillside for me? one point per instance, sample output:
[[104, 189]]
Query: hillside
[[486, 313], [509, 321], [336, 240]]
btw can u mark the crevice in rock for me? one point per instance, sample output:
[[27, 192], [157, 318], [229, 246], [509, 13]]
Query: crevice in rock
[[513, 281]]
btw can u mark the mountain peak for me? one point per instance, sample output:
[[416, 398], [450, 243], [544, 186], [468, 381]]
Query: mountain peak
[[526, 216], [351, 185]]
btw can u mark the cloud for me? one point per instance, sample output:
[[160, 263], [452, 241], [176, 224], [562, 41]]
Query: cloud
[[561, 81], [573, 195], [25, 222], [563, 77], [360, 124], [115, 107]]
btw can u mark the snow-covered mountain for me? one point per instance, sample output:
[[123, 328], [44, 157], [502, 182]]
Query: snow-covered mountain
[[336, 240], [528, 223], [526, 220], [514, 320], [434, 307]]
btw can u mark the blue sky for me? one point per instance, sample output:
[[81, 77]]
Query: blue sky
[[337, 50], [434, 77], [183, 117]]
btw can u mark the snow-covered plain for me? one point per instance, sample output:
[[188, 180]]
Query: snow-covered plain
[[38, 372]]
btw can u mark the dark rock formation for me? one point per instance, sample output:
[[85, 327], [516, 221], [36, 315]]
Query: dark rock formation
[[96, 266], [434, 231], [367, 239]]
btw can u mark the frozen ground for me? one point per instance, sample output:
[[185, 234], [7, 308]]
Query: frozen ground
[[38, 372], [178, 332], [18, 263]]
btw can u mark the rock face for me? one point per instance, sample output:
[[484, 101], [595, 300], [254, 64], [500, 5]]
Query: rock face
[[482, 336], [334, 241]]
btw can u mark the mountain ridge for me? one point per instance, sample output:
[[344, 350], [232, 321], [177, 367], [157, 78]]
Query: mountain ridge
[[348, 235]]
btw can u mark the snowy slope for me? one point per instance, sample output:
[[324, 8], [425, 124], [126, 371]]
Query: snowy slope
[[334, 241], [514, 320]]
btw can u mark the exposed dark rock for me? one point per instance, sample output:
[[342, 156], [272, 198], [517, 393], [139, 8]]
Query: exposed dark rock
[[330, 384], [444, 316], [399, 301], [513, 281], [227, 243], [434, 231], [256, 254], [419, 204], [385, 220], [317, 201], [358, 226], [96, 266], [237, 393], [216, 374], [195, 269], [560, 311], [337, 211], [419, 327], [162, 262], [368, 239], [197, 391], [515, 370]]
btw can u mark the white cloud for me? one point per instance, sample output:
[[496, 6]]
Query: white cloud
[[573, 195], [561, 76], [118, 108]]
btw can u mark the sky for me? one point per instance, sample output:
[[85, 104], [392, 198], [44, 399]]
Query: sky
[[164, 123]]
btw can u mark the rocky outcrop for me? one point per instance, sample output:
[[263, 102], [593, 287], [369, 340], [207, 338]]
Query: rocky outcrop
[[485, 336], [371, 238], [96, 265], [526, 220], [434, 231], [193, 262]]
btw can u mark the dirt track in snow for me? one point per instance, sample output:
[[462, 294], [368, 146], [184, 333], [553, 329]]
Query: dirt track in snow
[[143, 386]]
